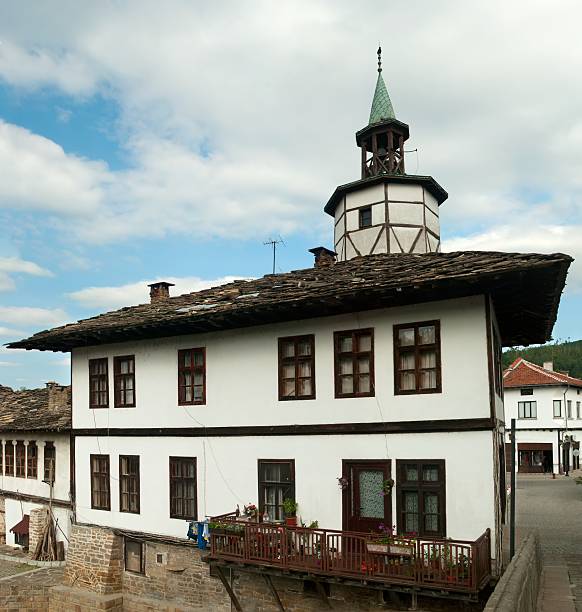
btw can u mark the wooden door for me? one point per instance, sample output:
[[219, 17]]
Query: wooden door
[[365, 506]]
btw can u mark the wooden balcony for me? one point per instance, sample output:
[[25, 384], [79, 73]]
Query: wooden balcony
[[421, 564]]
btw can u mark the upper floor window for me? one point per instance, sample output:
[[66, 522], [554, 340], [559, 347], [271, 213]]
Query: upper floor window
[[527, 410], [124, 377], [129, 483], [417, 358], [20, 471], [297, 367], [50, 459], [100, 491], [420, 500], [577, 410], [354, 363], [183, 488], [569, 408], [32, 460], [276, 484], [9, 458], [557, 408], [98, 383], [526, 391], [365, 217], [192, 376]]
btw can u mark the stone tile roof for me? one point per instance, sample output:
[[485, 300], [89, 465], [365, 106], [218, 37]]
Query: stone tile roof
[[525, 288], [47, 409], [523, 373]]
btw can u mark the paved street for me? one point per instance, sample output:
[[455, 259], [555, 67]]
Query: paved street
[[554, 508]]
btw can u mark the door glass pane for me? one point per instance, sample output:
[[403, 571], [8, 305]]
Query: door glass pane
[[431, 512], [410, 512], [371, 500]]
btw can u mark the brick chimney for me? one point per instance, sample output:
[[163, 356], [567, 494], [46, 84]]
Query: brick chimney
[[159, 291], [323, 257], [57, 395]]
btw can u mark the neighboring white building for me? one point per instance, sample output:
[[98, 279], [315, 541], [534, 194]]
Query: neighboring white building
[[547, 406], [371, 368], [35, 429]]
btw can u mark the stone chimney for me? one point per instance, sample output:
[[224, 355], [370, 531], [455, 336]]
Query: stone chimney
[[159, 291], [323, 257], [57, 395], [549, 365]]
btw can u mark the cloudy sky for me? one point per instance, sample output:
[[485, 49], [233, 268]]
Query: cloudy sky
[[146, 140]]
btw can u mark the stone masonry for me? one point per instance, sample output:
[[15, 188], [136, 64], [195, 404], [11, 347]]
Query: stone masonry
[[94, 560], [38, 517]]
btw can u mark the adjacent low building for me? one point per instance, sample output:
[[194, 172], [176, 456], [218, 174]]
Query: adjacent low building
[[547, 407], [34, 461]]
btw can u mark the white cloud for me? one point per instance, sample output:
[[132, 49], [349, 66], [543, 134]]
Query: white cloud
[[15, 265], [38, 174], [29, 316], [8, 332], [530, 239], [138, 293], [8, 364], [237, 119]]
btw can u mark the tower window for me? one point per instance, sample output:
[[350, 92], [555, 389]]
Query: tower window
[[365, 217]]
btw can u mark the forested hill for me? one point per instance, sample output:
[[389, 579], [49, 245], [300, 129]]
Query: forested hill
[[567, 356]]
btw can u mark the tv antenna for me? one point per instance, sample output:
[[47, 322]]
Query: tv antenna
[[273, 243]]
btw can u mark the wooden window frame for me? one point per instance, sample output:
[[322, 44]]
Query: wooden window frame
[[181, 460], [262, 483], [296, 360], [118, 377], [559, 404], [416, 348], [355, 333], [32, 461], [9, 464], [419, 486], [525, 391], [523, 404], [48, 468], [361, 212], [105, 478], [141, 556], [20, 459], [192, 369], [99, 378], [127, 478]]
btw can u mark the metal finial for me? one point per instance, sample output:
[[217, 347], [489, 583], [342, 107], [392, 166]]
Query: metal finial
[[379, 52]]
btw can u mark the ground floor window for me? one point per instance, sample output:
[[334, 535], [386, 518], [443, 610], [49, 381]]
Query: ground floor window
[[536, 458], [134, 556], [420, 498], [276, 484]]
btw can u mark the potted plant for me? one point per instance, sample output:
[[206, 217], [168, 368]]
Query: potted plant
[[251, 512], [290, 511]]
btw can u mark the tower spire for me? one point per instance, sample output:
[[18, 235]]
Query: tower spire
[[382, 108]]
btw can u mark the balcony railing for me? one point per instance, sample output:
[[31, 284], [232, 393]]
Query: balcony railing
[[452, 565]]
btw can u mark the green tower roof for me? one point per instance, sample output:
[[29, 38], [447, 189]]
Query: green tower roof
[[382, 108]]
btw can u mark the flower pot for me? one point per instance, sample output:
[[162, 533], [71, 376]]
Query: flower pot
[[291, 521], [377, 548]]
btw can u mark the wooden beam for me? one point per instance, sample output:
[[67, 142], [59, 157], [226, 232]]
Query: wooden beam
[[231, 593], [274, 592]]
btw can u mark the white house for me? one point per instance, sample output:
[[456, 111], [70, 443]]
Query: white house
[[381, 369], [547, 406], [35, 429]]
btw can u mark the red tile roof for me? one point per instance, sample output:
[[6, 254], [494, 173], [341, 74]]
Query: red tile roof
[[522, 373]]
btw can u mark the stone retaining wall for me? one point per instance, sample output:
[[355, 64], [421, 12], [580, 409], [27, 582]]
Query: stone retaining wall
[[517, 590]]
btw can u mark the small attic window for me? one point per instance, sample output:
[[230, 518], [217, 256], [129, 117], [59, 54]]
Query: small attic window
[[526, 391], [365, 217]]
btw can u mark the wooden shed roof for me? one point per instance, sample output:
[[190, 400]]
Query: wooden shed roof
[[525, 288]]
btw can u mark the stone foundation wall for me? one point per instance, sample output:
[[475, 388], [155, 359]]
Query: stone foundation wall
[[94, 560], [67, 599]]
